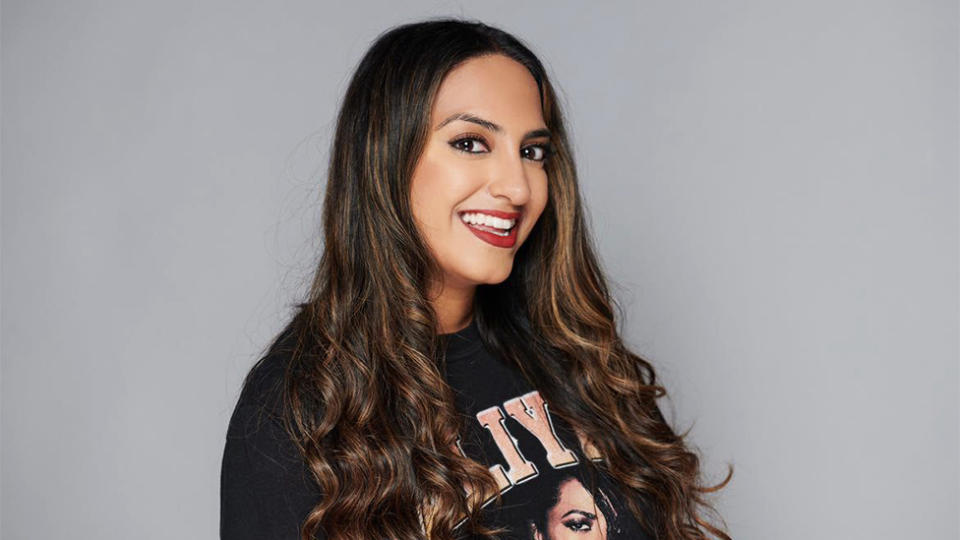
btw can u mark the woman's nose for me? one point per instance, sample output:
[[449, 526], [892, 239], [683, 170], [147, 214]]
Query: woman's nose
[[509, 179]]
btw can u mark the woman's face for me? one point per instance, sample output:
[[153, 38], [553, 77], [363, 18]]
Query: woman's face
[[575, 516], [482, 161]]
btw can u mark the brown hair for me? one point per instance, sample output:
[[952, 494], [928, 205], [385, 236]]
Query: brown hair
[[364, 396]]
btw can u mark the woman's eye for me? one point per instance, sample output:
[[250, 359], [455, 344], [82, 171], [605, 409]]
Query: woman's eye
[[466, 144], [579, 525], [476, 145], [537, 152]]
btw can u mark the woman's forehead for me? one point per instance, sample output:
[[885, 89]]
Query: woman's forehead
[[494, 87]]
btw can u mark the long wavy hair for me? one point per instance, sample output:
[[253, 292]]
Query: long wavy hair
[[363, 395]]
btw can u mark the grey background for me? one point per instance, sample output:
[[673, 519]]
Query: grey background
[[772, 186]]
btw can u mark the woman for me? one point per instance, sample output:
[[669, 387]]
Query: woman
[[458, 344], [573, 512]]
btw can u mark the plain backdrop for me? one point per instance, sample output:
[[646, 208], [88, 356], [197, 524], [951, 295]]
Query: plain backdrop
[[772, 186]]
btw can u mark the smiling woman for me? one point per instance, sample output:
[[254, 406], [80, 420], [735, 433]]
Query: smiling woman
[[481, 176], [456, 369]]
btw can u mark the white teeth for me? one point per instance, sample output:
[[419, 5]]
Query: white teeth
[[477, 218]]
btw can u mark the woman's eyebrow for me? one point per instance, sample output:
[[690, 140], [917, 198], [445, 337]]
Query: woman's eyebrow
[[590, 515], [467, 117]]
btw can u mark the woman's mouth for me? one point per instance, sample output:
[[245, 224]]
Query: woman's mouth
[[492, 226]]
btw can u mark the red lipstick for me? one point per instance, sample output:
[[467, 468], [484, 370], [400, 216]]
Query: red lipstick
[[488, 234]]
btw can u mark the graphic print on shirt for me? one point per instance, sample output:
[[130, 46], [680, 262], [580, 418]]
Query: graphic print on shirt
[[565, 507]]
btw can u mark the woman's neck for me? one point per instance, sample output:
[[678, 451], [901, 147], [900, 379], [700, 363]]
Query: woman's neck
[[454, 308]]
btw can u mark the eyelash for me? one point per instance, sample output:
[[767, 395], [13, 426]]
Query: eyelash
[[578, 524], [547, 148]]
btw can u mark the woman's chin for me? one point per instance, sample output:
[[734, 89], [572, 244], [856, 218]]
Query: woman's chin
[[492, 275]]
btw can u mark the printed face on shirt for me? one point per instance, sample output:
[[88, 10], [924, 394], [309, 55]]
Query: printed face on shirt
[[491, 159], [574, 516]]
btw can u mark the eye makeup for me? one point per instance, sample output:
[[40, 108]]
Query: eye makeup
[[546, 148]]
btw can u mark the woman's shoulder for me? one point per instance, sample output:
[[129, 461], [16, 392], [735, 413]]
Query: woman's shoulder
[[262, 390], [266, 487]]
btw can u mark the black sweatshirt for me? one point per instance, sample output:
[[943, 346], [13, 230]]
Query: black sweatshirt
[[267, 491]]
